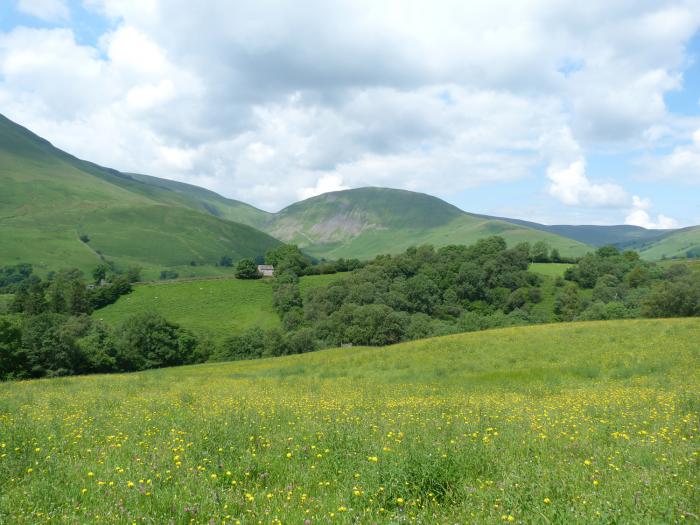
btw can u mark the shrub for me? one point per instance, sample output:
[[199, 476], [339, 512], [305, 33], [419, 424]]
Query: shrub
[[247, 269]]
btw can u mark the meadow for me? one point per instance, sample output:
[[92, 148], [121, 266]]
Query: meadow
[[571, 423], [213, 307]]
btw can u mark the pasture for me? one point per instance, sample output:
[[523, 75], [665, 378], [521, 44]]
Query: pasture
[[214, 307], [569, 423]]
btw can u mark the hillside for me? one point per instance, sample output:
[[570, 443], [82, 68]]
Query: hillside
[[623, 236], [214, 308], [365, 222], [570, 423], [681, 243], [50, 198]]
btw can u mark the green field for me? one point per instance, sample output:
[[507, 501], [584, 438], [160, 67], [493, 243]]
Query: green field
[[550, 269], [570, 423], [216, 307]]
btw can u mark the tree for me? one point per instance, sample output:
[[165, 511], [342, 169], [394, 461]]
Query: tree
[[248, 345], [286, 297], [568, 303], [226, 261], [287, 257], [555, 257], [50, 342], [30, 297], [148, 340], [540, 252], [13, 359], [12, 276], [100, 273], [247, 269], [677, 298]]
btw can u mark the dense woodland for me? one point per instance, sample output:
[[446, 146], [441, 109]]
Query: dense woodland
[[421, 293]]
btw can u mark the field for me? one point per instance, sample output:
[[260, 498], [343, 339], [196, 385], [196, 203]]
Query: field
[[549, 269], [570, 423], [216, 307]]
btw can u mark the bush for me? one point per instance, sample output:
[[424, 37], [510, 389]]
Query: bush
[[247, 269], [677, 298], [249, 345], [148, 340]]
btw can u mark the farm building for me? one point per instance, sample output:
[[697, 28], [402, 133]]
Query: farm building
[[267, 270]]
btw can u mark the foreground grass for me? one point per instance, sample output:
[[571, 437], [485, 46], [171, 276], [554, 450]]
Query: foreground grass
[[570, 423], [216, 307]]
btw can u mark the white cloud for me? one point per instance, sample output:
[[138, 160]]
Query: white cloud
[[47, 10], [570, 185], [266, 102], [639, 216], [681, 164], [325, 184]]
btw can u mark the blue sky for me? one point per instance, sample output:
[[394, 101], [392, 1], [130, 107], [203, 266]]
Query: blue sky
[[549, 111]]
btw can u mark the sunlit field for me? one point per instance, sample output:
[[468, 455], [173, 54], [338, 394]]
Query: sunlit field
[[570, 423]]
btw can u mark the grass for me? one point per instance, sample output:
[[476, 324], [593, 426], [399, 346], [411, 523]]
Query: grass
[[677, 244], [570, 423], [214, 307], [550, 269]]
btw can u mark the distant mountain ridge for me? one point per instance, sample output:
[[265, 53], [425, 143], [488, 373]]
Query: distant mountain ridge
[[364, 222], [622, 236], [49, 199]]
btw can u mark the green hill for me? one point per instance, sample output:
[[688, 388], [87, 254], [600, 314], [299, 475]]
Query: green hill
[[680, 243], [213, 307], [568, 423], [365, 222], [50, 198]]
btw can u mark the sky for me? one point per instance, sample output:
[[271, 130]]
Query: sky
[[561, 112]]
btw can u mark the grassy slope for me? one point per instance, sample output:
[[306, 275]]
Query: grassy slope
[[550, 269], [570, 423], [675, 245], [216, 307], [365, 222], [49, 197]]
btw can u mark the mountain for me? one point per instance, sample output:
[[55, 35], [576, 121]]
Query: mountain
[[651, 244], [367, 221], [49, 199], [623, 235]]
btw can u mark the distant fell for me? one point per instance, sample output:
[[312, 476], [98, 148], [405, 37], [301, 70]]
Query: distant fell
[[365, 222]]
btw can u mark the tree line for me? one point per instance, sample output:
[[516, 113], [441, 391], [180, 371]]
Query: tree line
[[426, 292], [420, 293]]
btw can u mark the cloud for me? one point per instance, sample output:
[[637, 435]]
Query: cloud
[[639, 216], [47, 10], [682, 163], [570, 185], [325, 184], [265, 102]]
